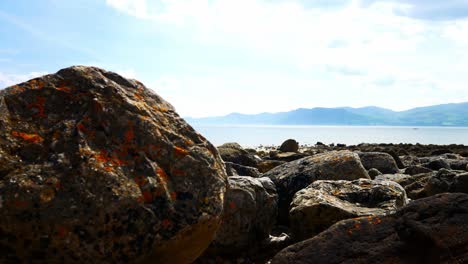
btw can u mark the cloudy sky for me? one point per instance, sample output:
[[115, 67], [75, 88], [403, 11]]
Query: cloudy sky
[[214, 57]]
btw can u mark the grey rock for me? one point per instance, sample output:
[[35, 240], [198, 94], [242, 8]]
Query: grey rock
[[289, 145], [233, 169], [413, 170], [374, 173], [384, 162], [324, 203]]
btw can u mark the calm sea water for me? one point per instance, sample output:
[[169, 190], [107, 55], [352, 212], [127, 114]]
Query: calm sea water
[[250, 136]]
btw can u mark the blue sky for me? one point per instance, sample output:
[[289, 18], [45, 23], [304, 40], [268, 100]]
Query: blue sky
[[214, 57]]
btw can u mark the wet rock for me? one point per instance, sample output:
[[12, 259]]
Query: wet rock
[[324, 203], [233, 169], [236, 154], [97, 168], [251, 209], [267, 165], [374, 173], [413, 170], [430, 230], [437, 164], [378, 160], [296, 175], [289, 145]]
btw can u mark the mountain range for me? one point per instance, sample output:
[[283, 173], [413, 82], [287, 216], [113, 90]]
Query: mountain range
[[437, 115]]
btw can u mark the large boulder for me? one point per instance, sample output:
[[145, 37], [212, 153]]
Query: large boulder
[[430, 230], [267, 165], [324, 203], [289, 145], [249, 217], [297, 175], [233, 169], [413, 170], [97, 168], [384, 162], [437, 164], [446, 181], [233, 152]]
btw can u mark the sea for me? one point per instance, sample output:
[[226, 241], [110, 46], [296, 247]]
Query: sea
[[255, 136]]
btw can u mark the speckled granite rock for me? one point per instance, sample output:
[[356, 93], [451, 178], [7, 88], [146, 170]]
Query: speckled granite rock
[[324, 203], [296, 175], [96, 168], [429, 230]]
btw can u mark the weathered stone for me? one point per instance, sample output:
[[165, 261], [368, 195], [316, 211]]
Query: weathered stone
[[232, 153], [374, 173], [430, 230], [289, 145], [251, 209], [233, 169], [413, 170], [437, 164], [96, 168], [458, 164], [324, 203], [296, 175], [393, 177], [378, 160], [446, 181], [287, 156], [267, 165]]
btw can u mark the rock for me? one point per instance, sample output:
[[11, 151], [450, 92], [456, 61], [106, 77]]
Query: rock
[[287, 156], [458, 164], [430, 230], [233, 145], [324, 203], [437, 164], [378, 160], [446, 181], [413, 170], [237, 155], [414, 185], [397, 177], [249, 217], [97, 168], [296, 175], [397, 159], [289, 145], [267, 165], [438, 152], [233, 169], [374, 173]]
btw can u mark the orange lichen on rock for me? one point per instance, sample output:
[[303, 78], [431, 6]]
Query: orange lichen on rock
[[31, 138], [180, 152], [39, 106], [147, 196], [36, 84], [166, 223], [356, 226], [108, 161], [63, 86]]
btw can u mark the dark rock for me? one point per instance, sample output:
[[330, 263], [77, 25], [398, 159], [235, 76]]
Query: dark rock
[[109, 173], [440, 152], [396, 157], [437, 164], [378, 160], [251, 209], [237, 155], [458, 164], [267, 165], [374, 173], [233, 145], [233, 169], [430, 230], [319, 143], [296, 175], [287, 156], [289, 145], [339, 145], [446, 181], [413, 170], [324, 203]]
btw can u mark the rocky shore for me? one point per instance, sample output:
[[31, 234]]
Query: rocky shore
[[97, 168]]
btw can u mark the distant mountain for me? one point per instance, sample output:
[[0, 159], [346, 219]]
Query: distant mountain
[[437, 115]]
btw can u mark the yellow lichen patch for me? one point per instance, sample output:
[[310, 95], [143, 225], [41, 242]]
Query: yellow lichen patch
[[31, 138], [47, 195]]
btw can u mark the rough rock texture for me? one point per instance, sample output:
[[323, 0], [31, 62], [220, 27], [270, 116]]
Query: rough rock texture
[[251, 208], [287, 156], [289, 145], [267, 165], [430, 230], [446, 181], [413, 170], [296, 175], [374, 173], [384, 162], [324, 203], [236, 154], [437, 164], [233, 169], [96, 168]]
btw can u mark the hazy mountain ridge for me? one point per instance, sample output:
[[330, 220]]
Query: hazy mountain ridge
[[437, 115]]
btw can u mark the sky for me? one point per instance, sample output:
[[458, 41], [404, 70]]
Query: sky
[[215, 57]]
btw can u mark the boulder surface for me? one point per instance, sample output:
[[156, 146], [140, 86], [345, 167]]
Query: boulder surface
[[97, 168], [429, 230]]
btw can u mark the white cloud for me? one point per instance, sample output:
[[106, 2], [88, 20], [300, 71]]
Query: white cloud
[[7, 80], [354, 54]]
